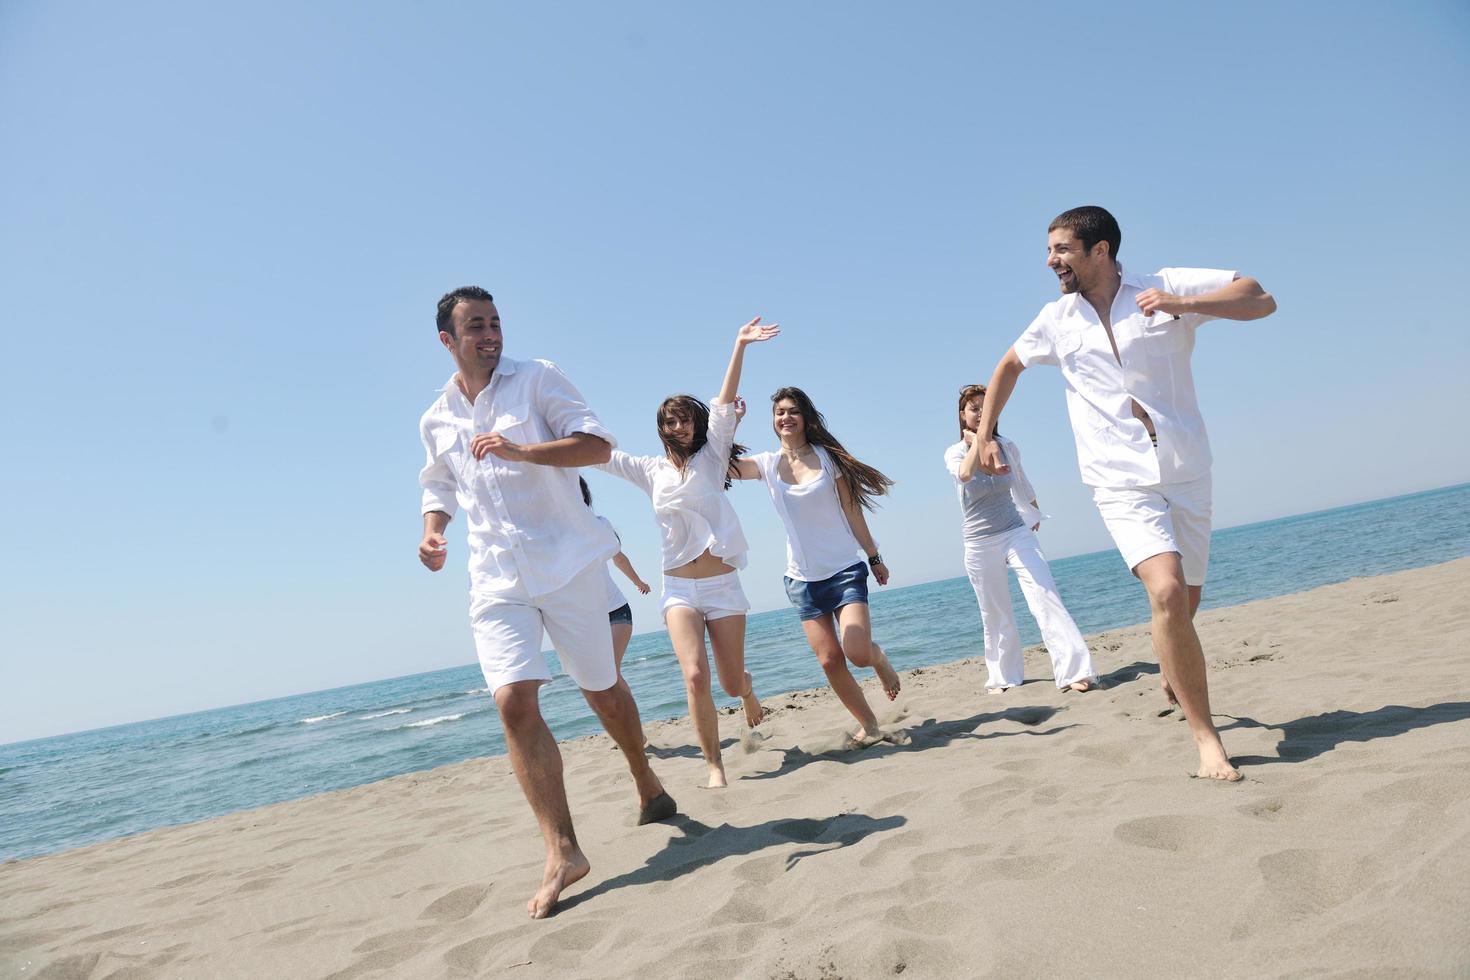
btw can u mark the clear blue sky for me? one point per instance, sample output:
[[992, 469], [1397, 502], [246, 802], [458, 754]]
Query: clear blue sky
[[223, 229]]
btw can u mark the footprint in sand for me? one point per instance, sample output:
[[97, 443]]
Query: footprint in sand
[[1175, 833], [746, 905], [1307, 882], [455, 905]]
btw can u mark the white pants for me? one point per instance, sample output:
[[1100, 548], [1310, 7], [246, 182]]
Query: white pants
[[986, 560]]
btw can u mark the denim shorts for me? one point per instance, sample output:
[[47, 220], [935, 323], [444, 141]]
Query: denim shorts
[[813, 600], [621, 616]]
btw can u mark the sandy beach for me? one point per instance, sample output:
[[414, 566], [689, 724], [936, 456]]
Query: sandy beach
[[1031, 834]]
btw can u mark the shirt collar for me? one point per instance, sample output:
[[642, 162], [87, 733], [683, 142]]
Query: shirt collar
[[1128, 279], [1125, 278], [505, 368]]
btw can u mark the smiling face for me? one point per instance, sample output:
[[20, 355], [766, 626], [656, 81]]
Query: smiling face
[[787, 420], [1077, 269], [676, 427], [476, 341]]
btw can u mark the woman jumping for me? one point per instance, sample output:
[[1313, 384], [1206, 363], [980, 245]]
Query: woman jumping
[[703, 545]]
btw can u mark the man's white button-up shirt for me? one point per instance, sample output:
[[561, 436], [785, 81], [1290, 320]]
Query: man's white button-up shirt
[[1151, 368], [528, 527]]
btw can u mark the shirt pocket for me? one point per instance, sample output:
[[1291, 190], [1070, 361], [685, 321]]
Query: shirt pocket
[[513, 422], [449, 447], [1163, 335]]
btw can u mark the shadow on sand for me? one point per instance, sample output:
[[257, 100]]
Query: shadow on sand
[[1307, 738], [703, 845], [927, 734]]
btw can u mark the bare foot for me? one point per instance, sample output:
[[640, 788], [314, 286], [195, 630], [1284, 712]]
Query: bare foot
[[861, 738], [716, 777], [1082, 686], [1215, 764], [996, 690], [1168, 691], [559, 874], [754, 713], [886, 674]]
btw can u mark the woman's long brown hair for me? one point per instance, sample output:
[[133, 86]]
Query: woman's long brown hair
[[968, 394], [863, 481], [687, 406]]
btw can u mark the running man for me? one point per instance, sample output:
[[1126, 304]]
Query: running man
[[503, 443], [1123, 343]]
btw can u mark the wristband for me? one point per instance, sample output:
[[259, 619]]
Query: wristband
[[875, 561]]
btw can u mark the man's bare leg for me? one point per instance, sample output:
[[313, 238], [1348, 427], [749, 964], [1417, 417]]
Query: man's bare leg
[[686, 633], [1181, 659], [1196, 593], [618, 712], [822, 636], [537, 764]]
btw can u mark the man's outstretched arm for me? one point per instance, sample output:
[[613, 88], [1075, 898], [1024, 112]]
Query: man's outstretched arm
[[1243, 299], [997, 393]]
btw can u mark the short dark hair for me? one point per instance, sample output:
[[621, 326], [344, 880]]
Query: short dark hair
[[444, 318], [1092, 224]]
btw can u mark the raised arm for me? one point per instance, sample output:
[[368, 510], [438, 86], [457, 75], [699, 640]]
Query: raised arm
[[1242, 299], [969, 464], [997, 393], [752, 333]]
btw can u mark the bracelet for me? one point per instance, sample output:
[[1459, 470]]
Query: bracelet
[[875, 561]]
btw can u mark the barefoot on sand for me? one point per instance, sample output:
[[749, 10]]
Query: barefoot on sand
[[754, 713], [661, 807], [1082, 686], [886, 674], [559, 874], [1215, 764]]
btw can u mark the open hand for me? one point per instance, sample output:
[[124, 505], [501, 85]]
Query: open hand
[[486, 443], [432, 552], [754, 332]]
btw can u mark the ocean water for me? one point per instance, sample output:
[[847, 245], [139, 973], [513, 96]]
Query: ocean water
[[77, 789]]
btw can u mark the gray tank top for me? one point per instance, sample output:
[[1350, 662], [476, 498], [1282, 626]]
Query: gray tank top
[[988, 506]]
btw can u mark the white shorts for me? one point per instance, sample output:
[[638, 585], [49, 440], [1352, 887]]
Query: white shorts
[[508, 629], [715, 597], [1148, 521]]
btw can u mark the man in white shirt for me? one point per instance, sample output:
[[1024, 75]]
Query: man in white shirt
[[1123, 343], [504, 441]]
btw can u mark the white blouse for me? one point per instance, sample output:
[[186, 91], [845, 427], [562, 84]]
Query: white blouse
[[819, 543], [615, 598], [690, 506]]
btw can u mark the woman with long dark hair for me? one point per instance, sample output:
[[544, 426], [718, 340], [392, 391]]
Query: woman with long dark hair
[[703, 545], [1000, 516], [820, 490]]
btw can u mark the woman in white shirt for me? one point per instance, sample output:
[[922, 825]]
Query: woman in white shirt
[[619, 613], [819, 490], [703, 545], [1000, 516]]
